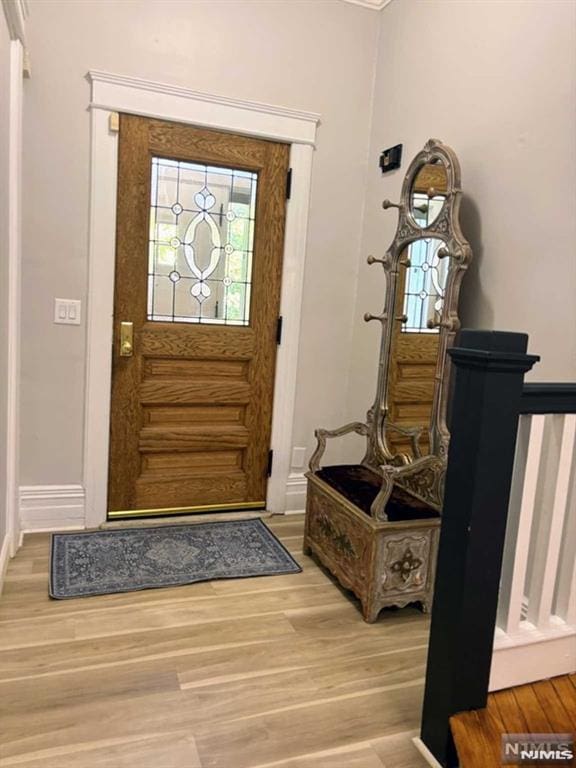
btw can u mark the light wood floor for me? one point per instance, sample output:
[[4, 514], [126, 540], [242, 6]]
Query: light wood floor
[[548, 706], [275, 671]]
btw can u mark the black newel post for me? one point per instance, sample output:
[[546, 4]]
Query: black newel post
[[489, 368]]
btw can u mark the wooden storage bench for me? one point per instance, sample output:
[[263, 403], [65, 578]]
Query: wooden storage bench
[[383, 563]]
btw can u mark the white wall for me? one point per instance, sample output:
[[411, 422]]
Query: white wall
[[316, 56], [497, 81]]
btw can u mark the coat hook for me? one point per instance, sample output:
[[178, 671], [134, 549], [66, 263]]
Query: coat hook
[[450, 325], [388, 204], [368, 316], [374, 260]]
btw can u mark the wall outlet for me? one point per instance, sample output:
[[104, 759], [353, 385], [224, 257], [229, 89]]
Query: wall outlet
[[298, 455], [67, 311]]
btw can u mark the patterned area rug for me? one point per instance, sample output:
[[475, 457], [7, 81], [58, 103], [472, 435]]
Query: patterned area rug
[[103, 562]]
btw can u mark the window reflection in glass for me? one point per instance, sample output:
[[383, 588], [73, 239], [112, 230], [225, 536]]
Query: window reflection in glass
[[425, 285]]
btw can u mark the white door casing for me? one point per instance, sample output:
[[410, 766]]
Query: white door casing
[[114, 93]]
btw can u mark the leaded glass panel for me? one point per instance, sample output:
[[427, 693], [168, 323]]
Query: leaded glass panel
[[425, 285], [201, 243]]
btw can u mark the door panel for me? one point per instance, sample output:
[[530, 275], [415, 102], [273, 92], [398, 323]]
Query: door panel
[[198, 266]]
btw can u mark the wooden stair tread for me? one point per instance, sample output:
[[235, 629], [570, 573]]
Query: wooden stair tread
[[548, 706]]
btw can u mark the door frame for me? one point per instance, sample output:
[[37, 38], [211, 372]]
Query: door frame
[[111, 94], [15, 15]]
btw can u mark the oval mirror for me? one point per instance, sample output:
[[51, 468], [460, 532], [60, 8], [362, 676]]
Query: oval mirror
[[428, 193], [423, 285]]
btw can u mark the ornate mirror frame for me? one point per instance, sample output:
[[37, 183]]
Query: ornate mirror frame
[[423, 476]]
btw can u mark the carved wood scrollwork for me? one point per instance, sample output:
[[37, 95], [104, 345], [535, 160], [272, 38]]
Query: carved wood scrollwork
[[322, 435], [339, 541], [406, 561], [406, 565], [337, 535], [425, 480]]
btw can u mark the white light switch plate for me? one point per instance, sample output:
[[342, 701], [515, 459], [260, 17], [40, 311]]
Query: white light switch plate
[[67, 311]]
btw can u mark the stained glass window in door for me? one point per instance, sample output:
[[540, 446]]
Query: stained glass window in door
[[201, 243]]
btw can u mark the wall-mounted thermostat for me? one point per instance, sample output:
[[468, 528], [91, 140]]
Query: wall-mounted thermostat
[[390, 159]]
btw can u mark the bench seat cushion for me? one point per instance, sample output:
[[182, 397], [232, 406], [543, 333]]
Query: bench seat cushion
[[360, 485]]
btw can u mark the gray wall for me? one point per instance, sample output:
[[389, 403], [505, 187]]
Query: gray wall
[[497, 81], [4, 131], [316, 56]]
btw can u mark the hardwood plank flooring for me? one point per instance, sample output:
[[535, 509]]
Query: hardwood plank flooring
[[250, 673], [548, 706]]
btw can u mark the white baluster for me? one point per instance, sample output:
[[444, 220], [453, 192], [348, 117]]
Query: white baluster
[[565, 602], [540, 557], [553, 501], [520, 515]]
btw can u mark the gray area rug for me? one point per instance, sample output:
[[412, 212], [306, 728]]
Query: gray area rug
[[124, 560]]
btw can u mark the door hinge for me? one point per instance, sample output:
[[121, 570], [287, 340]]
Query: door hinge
[[270, 460], [288, 183], [279, 330], [113, 122]]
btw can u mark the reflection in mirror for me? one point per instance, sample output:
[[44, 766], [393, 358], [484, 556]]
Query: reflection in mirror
[[414, 343], [428, 193], [424, 284]]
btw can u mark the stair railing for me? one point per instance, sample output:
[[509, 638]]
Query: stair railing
[[489, 368]]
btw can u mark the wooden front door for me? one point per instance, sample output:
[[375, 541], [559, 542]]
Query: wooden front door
[[199, 249]]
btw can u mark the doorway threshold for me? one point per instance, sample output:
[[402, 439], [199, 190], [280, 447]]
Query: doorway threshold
[[190, 519]]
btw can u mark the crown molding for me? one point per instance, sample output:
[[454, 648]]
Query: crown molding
[[16, 12], [375, 5]]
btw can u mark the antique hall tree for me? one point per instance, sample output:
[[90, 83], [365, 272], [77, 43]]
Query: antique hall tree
[[375, 525]]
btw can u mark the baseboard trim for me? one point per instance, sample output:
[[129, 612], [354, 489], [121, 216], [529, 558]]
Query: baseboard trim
[[425, 752], [52, 508], [536, 656], [63, 507], [4, 559], [296, 487]]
